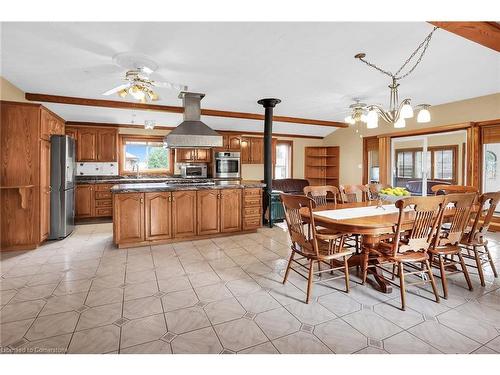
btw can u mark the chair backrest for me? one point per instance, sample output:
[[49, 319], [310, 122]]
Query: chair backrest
[[349, 193], [452, 189], [425, 213], [486, 205], [374, 190], [320, 194], [292, 205], [460, 204]]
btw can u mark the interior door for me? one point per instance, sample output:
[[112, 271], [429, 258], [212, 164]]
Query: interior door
[[411, 164]]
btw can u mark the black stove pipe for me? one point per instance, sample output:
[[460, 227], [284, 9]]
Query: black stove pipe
[[268, 105]]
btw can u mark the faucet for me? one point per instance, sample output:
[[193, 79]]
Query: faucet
[[137, 172]]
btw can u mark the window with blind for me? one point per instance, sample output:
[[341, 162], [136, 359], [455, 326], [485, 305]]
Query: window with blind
[[145, 155], [441, 162]]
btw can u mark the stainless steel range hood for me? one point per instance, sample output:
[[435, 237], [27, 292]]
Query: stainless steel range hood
[[192, 132]]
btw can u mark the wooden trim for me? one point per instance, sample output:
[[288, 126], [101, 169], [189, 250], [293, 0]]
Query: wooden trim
[[480, 147], [174, 109], [384, 155], [425, 131], [290, 144], [484, 33], [366, 141], [165, 127], [156, 138], [488, 122], [9, 102]]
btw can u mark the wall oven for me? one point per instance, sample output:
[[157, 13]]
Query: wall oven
[[227, 165], [193, 170]]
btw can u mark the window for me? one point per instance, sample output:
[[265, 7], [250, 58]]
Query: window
[[145, 153], [491, 165], [441, 163], [405, 164], [283, 166]]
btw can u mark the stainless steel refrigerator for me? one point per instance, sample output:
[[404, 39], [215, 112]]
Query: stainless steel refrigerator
[[62, 183]]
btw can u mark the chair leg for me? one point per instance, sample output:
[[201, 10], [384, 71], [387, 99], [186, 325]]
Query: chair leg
[[309, 280], [288, 266], [356, 237], [402, 287], [465, 271], [319, 266], [365, 266], [433, 281], [491, 261], [479, 265], [393, 271], [346, 273], [443, 277]]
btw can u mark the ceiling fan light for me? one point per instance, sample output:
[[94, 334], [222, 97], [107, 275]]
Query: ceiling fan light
[[424, 115], [363, 118], [349, 120], [122, 93], [153, 95], [406, 111], [137, 93], [401, 123]]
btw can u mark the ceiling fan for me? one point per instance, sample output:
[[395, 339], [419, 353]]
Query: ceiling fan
[[138, 84]]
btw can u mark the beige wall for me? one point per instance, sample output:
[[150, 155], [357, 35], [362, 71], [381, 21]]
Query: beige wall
[[351, 145], [10, 92]]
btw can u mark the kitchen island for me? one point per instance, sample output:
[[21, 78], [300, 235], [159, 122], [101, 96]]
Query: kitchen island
[[148, 213]]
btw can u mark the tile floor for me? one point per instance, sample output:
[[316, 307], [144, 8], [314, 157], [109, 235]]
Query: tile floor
[[82, 295]]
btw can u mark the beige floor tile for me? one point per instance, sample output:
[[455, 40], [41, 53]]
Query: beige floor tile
[[174, 284], [371, 350], [53, 325], [300, 343], [179, 300], [143, 330], [287, 294], [52, 345], [310, 313], [153, 347], [99, 316], [239, 334], [141, 307], [140, 276], [258, 302], [340, 337], [21, 310], [47, 278], [202, 341], [391, 310], [140, 290], [443, 338], [224, 310], [13, 331], [494, 344], [243, 287], [185, 320], [482, 312], [266, 348], [232, 273], [6, 296], [72, 287], [277, 323], [95, 340], [110, 281], [13, 283], [371, 325], [213, 292], [68, 302], [484, 350], [405, 343], [33, 292], [222, 262], [197, 267], [98, 297], [203, 279], [468, 325]]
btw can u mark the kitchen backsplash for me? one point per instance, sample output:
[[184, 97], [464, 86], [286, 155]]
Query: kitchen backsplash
[[97, 169]]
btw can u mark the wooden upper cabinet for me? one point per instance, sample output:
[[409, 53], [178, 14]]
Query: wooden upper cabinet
[[50, 125], [84, 201], [203, 155], [128, 218], [231, 142], [230, 210], [257, 151], [71, 132], [183, 155], [158, 212], [193, 155], [208, 211], [184, 213], [44, 189], [245, 150], [87, 144], [106, 145]]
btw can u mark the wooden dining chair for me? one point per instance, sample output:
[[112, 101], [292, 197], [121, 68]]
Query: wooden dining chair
[[317, 248], [321, 194], [443, 189], [474, 243], [373, 190], [353, 193], [414, 233], [446, 246]]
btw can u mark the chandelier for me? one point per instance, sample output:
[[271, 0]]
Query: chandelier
[[398, 111]]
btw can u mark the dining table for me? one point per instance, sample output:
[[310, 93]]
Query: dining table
[[372, 220]]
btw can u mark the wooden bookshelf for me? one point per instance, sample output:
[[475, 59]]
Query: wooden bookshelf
[[321, 165]]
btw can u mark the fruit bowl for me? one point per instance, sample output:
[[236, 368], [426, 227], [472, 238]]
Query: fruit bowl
[[392, 198], [393, 194]]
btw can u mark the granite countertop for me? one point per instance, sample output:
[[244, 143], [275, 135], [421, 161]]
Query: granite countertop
[[162, 186], [140, 180]]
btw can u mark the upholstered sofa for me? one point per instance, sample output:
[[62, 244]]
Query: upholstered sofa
[[415, 186], [290, 185]]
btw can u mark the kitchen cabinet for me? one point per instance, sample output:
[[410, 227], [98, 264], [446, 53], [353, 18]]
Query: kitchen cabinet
[[107, 145], [231, 142], [93, 200], [252, 209], [87, 144], [71, 132], [158, 212], [257, 151], [208, 211], [230, 210], [44, 189], [128, 220], [252, 150], [193, 155], [84, 201], [95, 144], [184, 214], [103, 204]]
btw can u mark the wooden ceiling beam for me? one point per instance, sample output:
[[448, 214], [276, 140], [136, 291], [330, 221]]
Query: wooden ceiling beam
[[485, 33], [174, 109]]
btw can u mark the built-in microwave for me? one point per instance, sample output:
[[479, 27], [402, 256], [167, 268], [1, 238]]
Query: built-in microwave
[[227, 165], [193, 170]]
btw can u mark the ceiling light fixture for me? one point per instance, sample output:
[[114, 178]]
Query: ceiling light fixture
[[398, 111]]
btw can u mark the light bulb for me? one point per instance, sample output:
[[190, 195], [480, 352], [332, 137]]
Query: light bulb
[[401, 123], [372, 119], [424, 115], [406, 111], [363, 118], [122, 93], [349, 120], [137, 93]]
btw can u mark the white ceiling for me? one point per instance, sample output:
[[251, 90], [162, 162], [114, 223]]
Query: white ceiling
[[309, 66]]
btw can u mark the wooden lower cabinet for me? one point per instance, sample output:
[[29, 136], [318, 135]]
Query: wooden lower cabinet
[[183, 214], [84, 201], [208, 211], [230, 210], [128, 222], [158, 213]]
